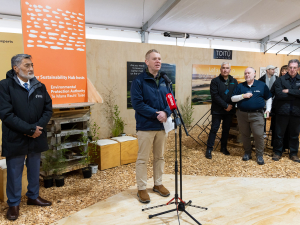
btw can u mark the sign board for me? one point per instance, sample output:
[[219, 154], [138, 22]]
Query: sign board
[[54, 35], [222, 54]]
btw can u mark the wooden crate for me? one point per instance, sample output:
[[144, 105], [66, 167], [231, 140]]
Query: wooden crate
[[71, 121], [72, 165], [3, 180], [129, 149], [71, 110], [108, 154]]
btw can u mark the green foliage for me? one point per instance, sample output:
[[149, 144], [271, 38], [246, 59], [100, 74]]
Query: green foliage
[[47, 162], [118, 122], [187, 111], [94, 131], [89, 149]]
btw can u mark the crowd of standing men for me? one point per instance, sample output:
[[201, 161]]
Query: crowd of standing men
[[253, 101]]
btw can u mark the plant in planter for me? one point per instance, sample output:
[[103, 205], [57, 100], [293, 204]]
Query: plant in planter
[[47, 166], [59, 165], [89, 150], [118, 122]]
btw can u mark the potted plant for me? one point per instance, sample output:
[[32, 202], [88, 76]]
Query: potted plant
[[92, 146], [47, 166], [89, 151], [59, 165], [118, 123]]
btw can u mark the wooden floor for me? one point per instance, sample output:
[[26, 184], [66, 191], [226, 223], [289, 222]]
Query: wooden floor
[[232, 201]]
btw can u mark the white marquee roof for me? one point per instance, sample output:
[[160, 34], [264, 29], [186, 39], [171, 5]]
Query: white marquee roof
[[252, 20]]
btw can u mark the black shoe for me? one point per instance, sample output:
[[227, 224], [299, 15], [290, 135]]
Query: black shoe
[[225, 151], [260, 160], [246, 157], [208, 154]]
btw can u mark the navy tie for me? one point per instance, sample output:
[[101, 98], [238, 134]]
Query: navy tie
[[26, 86]]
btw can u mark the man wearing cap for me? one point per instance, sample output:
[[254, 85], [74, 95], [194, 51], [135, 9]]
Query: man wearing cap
[[250, 97], [287, 96], [269, 78]]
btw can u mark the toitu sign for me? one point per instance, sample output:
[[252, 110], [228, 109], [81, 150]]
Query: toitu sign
[[222, 54]]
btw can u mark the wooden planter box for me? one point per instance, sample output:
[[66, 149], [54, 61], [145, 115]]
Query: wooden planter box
[[129, 148], [108, 154], [3, 180]]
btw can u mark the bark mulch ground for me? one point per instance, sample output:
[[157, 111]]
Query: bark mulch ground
[[79, 193]]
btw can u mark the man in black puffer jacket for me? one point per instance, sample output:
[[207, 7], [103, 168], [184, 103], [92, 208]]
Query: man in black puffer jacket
[[222, 108], [287, 94], [25, 110]]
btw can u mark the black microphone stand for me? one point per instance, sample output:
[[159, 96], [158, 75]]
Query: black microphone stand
[[180, 204]]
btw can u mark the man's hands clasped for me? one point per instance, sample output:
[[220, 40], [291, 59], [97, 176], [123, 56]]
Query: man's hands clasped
[[37, 133]]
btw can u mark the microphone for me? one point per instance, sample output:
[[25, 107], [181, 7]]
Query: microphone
[[172, 104], [166, 78]]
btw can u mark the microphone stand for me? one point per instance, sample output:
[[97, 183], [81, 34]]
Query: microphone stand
[[180, 204]]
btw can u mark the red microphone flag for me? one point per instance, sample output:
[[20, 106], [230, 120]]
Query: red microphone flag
[[171, 101]]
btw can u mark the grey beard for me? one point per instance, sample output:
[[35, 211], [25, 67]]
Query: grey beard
[[27, 77]]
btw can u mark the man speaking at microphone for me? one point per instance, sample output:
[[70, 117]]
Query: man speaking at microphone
[[148, 97]]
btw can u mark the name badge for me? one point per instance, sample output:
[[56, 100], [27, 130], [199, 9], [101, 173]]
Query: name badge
[[226, 92]]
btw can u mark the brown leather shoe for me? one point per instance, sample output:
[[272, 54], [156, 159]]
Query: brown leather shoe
[[276, 157], [13, 213], [295, 158], [39, 201], [143, 196], [161, 190]]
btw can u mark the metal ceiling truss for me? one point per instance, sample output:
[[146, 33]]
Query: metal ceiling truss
[[265, 40], [170, 4]]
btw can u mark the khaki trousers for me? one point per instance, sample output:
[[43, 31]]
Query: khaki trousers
[[252, 122], [146, 139]]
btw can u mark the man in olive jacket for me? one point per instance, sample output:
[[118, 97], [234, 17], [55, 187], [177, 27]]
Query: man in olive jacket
[[25, 110], [221, 89]]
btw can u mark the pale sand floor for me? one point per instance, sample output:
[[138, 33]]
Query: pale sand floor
[[230, 200]]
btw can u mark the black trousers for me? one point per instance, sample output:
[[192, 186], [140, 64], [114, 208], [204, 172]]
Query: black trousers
[[215, 124], [286, 137], [292, 123]]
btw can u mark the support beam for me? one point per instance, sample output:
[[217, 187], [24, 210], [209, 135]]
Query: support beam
[[170, 4], [278, 33], [145, 36]]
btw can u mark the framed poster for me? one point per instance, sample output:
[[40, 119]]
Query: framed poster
[[202, 76], [136, 68]]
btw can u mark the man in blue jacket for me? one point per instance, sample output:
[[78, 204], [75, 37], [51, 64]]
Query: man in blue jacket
[[25, 110], [148, 97]]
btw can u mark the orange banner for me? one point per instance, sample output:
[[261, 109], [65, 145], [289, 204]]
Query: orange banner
[[54, 34]]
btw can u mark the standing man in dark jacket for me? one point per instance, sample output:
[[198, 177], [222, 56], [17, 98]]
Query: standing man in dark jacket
[[221, 89], [25, 110], [287, 95], [148, 97]]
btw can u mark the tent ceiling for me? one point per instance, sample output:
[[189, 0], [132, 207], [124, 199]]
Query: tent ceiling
[[246, 19]]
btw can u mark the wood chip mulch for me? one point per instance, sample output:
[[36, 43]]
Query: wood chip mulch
[[79, 193]]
